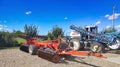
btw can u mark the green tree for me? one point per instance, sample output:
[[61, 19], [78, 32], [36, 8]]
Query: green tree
[[50, 37], [18, 32], [31, 30], [55, 32]]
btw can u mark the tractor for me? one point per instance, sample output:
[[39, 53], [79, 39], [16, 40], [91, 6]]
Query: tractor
[[80, 40], [97, 42]]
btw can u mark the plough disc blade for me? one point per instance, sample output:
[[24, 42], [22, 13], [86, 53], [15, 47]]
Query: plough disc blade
[[48, 54]]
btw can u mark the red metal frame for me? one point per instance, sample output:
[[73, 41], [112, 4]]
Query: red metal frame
[[82, 53]]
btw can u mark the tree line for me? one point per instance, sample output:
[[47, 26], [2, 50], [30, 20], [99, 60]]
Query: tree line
[[9, 39]]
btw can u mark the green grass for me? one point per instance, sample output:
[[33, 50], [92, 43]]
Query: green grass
[[21, 40]]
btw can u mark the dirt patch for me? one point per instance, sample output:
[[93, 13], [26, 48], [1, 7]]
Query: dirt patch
[[17, 58]]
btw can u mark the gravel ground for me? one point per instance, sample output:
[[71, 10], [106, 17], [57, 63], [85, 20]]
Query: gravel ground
[[17, 58]]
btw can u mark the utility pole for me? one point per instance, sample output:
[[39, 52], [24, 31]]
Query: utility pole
[[113, 20]]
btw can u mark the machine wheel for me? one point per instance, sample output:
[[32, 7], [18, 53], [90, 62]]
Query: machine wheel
[[32, 49], [116, 44], [75, 44], [97, 48], [24, 48]]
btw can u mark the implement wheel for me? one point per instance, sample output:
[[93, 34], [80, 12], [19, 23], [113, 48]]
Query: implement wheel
[[32, 49], [97, 47], [24, 48]]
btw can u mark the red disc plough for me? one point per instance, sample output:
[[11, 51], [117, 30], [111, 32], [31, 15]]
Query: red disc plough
[[55, 49]]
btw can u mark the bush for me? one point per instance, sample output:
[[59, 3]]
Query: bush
[[8, 40]]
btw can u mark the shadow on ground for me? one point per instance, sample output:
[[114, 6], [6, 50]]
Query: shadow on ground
[[78, 60]]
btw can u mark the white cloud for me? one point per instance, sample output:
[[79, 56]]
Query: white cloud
[[28, 12], [65, 18], [97, 23], [110, 17], [107, 15], [108, 26]]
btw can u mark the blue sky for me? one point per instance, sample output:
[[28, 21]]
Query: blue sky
[[14, 14]]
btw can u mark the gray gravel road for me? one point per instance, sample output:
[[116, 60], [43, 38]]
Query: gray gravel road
[[17, 58]]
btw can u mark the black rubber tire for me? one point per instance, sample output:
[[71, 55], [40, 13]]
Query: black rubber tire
[[24, 48], [97, 47], [116, 45], [32, 49]]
